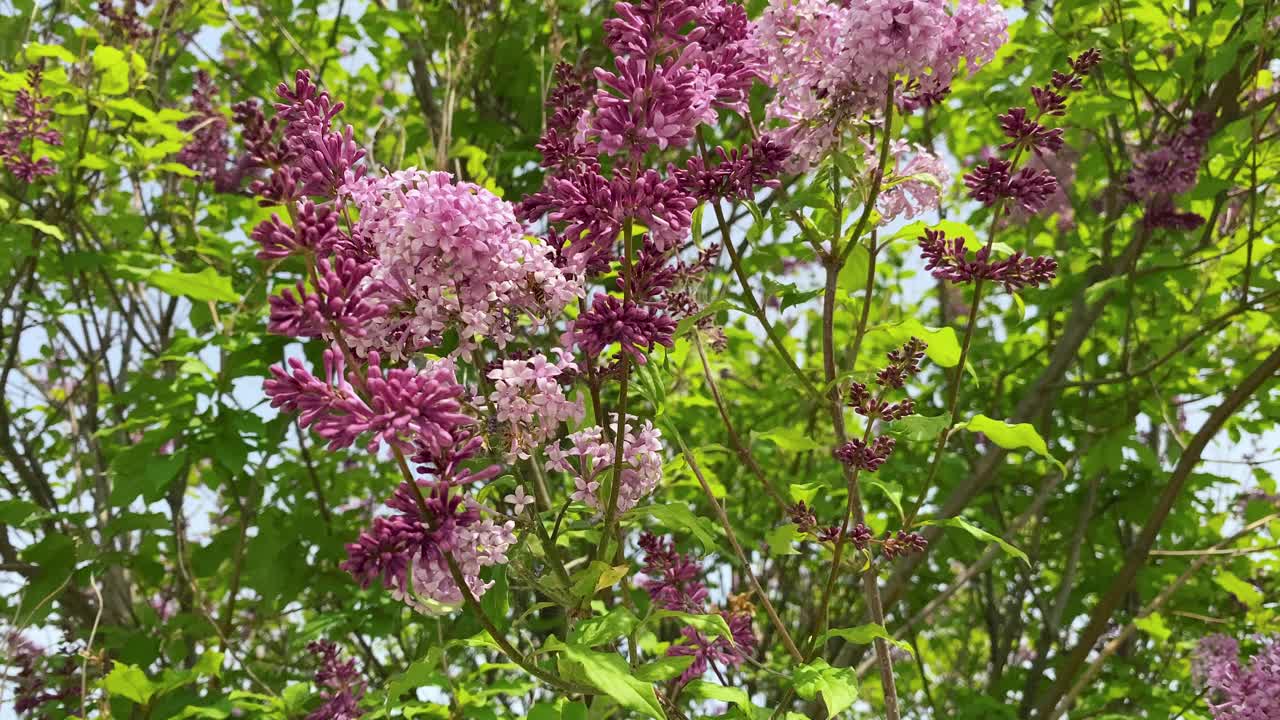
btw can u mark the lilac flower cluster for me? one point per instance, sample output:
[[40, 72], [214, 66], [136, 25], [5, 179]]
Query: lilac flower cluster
[[904, 363], [341, 686], [529, 402], [1169, 170], [1029, 188], [834, 62], [27, 124], [673, 581], [450, 256], [590, 456], [207, 151], [915, 185], [370, 297], [1236, 691], [948, 259], [33, 689]]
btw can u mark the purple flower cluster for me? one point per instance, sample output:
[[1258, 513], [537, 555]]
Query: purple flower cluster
[[37, 681], [341, 686], [1236, 691], [902, 543], [1030, 188], [833, 62], [904, 363], [947, 259], [635, 327], [673, 581], [27, 124], [1169, 170], [207, 151]]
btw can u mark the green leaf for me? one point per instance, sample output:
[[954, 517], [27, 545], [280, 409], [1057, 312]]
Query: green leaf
[[837, 686], [919, 428], [177, 169], [1154, 626], [1244, 592], [979, 533], [44, 227], [664, 668], [788, 438], [39, 51], [893, 491], [865, 635], [420, 673], [610, 674], [128, 681], [205, 286], [712, 624], [701, 690], [853, 276], [618, 623], [780, 538], [596, 577], [1010, 437], [943, 348], [113, 67], [678, 516]]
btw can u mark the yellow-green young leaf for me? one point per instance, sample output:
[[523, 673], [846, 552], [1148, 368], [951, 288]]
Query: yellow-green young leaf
[[128, 681], [663, 669], [596, 577], [712, 625], [701, 690], [610, 674], [93, 162], [853, 276], [1244, 592], [132, 106], [919, 428], [983, 535], [788, 438], [177, 169], [44, 227], [780, 539], [837, 686], [865, 635], [204, 286], [1010, 437], [112, 67], [38, 51], [1154, 626], [678, 516], [943, 348]]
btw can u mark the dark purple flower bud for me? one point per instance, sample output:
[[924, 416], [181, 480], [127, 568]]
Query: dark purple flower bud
[[860, 536], [803, 517], [672, 579], [911, 96], [339, 302], [636, 328], [1048, 101], [947, 259], [1027, 133], [340, 684], [739, 173], [316, 231], [829, 534], [903, 543], [1068, 81], [1032, 188], [857, 454], [1161, 213], [206, 153], [990, 182], [903, 363], [1086, 61], [27, 124]]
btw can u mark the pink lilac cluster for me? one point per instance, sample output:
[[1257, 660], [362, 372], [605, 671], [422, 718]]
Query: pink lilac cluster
[[999, 181], [1169, 170], [590, 457], [450, 256], [834, 62], [668, 79], [915, 185], [529, 402], [1237, 691], [904, 363], [340, 683], [673, 581], [419, 410], [28, 123]]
